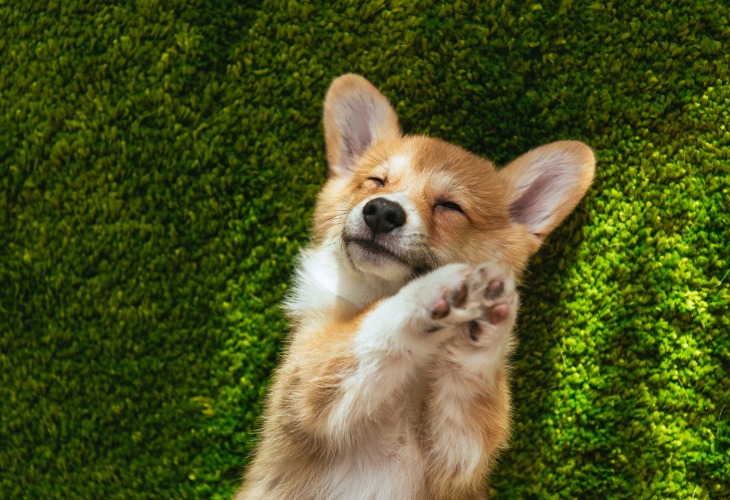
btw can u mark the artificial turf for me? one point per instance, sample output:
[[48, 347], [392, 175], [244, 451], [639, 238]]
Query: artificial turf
[[158, 166]]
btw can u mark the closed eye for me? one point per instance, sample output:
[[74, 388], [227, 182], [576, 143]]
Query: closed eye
[[450, 205], [377, 180]]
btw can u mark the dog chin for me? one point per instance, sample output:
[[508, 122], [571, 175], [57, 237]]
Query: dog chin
[[375, 260]]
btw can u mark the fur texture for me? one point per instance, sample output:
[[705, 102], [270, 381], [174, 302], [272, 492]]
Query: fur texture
[[395, 380]]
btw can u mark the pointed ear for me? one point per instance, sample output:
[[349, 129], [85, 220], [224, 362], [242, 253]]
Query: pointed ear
[[356, 116], [546, 184]]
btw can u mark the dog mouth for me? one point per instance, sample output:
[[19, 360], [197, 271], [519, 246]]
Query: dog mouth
[[379, 254], [376, 249]]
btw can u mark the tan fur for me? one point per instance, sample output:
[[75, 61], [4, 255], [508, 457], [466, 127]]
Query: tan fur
[[406, 413]]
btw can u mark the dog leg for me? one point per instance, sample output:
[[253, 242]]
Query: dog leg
[[398, 336], [466, 408]]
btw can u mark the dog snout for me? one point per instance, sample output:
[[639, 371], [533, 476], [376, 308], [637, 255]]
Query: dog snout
[[382, 215]]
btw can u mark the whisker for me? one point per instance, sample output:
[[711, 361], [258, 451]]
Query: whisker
[[331, 243], [368, 156], [374, 156], [324, 228], [383, 158], [335, 211], [429, 238], [435, 240], [333, 217]]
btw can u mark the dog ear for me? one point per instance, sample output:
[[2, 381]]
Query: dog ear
[[356, 117], [546, 183]]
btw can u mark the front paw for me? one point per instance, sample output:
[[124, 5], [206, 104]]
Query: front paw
[[450, 296], [480, 299]]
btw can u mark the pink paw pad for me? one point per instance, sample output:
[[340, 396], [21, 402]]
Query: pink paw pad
[[495, 289], [498, 313], [440, 309]]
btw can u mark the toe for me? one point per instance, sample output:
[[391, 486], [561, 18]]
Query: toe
[[440, 309], [458, 296], [498, 313], [495, 289]]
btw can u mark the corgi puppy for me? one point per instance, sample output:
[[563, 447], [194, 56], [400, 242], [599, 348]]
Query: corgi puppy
[[394, 383]]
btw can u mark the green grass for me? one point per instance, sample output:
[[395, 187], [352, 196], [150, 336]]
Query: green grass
[[158, 166]]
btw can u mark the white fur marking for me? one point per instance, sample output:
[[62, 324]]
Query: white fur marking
[[397, 164]]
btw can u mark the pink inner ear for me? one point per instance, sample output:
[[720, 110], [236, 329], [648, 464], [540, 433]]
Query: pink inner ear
[[538, 202], [356, 132]]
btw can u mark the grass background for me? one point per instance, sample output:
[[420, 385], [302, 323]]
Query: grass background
[[158, 166]]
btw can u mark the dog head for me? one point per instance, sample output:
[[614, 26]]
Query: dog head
[[399, 206]]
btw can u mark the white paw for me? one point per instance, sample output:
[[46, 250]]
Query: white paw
[[482, 298]]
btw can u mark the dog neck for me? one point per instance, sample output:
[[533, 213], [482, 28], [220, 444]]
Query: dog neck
[[325, 279]]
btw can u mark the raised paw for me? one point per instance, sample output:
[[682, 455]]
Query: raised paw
[[479, 301], [450, 296]]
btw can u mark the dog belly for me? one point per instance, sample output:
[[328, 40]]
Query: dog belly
[[375, 476]]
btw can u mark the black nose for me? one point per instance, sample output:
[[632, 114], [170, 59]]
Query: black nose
[[382, 216]]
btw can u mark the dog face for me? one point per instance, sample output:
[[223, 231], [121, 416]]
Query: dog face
[[400, 206]]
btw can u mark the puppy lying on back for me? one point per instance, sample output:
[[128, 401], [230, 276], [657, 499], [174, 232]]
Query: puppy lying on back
[[394, 384]]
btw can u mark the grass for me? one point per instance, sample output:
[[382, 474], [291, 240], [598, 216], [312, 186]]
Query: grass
[[158, 166]]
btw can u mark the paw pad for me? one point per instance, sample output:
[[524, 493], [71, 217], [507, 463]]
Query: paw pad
[[480, 299], [440, 309], [495, 289], [458, 296], [498, 313]]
